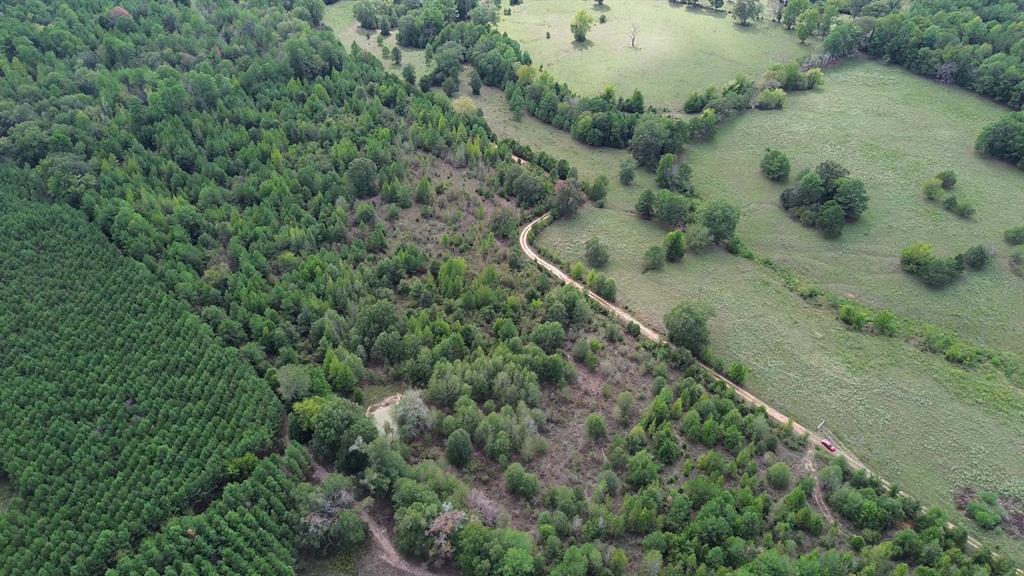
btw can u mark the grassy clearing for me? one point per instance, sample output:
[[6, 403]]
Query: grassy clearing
[[894, 130], [340, 18], [914, 418], [679, 49]]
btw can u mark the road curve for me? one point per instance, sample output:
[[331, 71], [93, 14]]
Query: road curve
[[647, 332]]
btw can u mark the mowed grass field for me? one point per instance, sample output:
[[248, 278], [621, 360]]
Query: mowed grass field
[[894, 131], [679, 49], [913, 417]]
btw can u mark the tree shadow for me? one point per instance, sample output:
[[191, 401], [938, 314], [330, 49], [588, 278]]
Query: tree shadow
[[600, 7], [705, 11], [585, 45]]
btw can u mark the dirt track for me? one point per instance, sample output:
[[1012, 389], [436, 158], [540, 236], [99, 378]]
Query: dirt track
[[649, 333]]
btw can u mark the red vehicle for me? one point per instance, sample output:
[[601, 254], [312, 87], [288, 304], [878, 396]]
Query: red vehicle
[[828, 445]]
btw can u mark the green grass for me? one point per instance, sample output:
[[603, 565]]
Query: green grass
[[893, 130], [679, 49], [339, 17], [913, 417]]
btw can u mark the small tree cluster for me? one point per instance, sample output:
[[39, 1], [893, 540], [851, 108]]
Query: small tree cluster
[[826, 198]]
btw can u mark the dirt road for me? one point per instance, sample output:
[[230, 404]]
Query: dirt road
[[652, 334]]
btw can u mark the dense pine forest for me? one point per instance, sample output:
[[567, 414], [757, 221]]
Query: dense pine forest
[[223, 231]]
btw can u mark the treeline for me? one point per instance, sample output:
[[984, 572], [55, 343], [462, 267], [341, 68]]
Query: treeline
[[975, 45], [121, 407]]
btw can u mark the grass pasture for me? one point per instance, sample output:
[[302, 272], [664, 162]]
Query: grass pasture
[[893, 130], [679, 49], [941, 427], [913, 417]]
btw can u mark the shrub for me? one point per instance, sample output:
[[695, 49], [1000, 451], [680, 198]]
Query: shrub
[[920, 260], [595, 427], [778, 476], [459, 448], [643, 470], [775, 165], [595, 253], [654, 258], [633, 329], [985, 511], [1014, 236], [737, 373], [1017, 261], [603, 286], [549, 336], [675, 246], [885, 323], [720, 218], [521, 483], [947, 178], [687, 326], [975, 258], [933, 189], [625, 403], [853, 315], [598, 190], [626, 172], [771, 99]]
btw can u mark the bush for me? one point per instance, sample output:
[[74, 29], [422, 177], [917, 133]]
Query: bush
[[947, 178], [595, 253], [920, 260], [626, 172], [853, 315], [687, 326], [986, 511], [675, 246], [778, 476], [737, 373], [1014, 236], [771, 99], [775, 165], [595, 427], [975, 258], [933, 189], [633, 329], [597, 191], [654, 258], [459, 448], [549, 336], [520, 483]]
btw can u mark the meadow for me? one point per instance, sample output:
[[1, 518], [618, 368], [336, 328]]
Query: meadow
[[894, 131], [678, 49], [941, 427]]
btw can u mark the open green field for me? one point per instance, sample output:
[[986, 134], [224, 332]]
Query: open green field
[[679, 49], [339, 17], [893, 130], [913, 417]]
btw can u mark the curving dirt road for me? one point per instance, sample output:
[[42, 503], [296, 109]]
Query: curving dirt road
[[652, 334]]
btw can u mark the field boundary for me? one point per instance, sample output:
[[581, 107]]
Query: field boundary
[[651, 334]]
